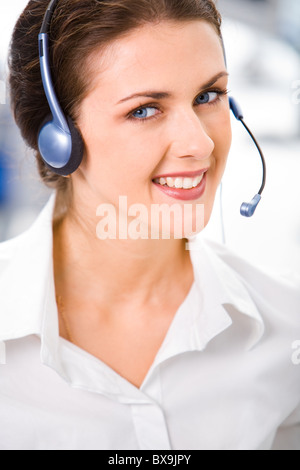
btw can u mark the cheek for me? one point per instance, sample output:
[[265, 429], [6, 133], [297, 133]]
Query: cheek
[[222, 138], [221, 134], [119, 160], [127, 156]]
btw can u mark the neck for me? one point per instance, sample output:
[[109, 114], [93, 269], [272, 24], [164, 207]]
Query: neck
[[117, 272]]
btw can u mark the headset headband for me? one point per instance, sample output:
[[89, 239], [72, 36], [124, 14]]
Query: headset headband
[[48, 16], [59, 141]]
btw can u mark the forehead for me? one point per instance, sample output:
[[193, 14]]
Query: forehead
[[165, 55]]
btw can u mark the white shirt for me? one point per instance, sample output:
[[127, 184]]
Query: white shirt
[[224, 377]]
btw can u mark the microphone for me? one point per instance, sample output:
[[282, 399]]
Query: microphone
[[248, 208]]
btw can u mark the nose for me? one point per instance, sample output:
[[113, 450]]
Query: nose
[[188, 137]]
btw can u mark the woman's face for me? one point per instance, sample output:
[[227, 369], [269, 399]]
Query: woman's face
[[157, 109]]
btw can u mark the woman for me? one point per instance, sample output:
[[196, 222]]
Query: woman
[[149, 345]]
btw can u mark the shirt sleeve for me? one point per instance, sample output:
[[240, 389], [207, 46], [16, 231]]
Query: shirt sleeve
[[288, 434]]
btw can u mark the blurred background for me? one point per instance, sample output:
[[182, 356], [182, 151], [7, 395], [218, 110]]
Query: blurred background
[[262, 40]]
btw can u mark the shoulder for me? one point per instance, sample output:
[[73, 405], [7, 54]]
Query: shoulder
[[270, 291], [276, 299], [25, 270], [30, 239], [251, 273], [10, 249]]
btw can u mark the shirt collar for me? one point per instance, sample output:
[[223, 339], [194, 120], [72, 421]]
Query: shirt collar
[[223, 286], [27, 284]]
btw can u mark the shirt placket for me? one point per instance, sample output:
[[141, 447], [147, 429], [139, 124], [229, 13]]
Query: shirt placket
[[150, 427], [149, 419]]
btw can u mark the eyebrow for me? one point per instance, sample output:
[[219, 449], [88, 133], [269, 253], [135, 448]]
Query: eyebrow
[[159, 95]]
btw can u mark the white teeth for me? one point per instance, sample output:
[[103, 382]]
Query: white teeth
[[180, 183], [198, 180], [170, 182], [187, 183]]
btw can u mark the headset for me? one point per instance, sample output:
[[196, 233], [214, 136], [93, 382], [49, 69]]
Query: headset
[[60, 143]]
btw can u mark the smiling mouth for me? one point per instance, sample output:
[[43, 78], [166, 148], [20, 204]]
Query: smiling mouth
[[180, 182]]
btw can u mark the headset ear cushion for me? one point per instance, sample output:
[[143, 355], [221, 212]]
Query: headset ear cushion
[[77, 149], [76, 152]]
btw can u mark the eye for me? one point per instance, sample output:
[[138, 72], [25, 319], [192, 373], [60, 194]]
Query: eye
[[144, 113], [208, 97]]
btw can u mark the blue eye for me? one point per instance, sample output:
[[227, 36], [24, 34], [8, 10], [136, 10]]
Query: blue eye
[[207, 97], [144, 113]]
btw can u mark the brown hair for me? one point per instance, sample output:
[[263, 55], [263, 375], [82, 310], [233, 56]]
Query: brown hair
[[78, 28]]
